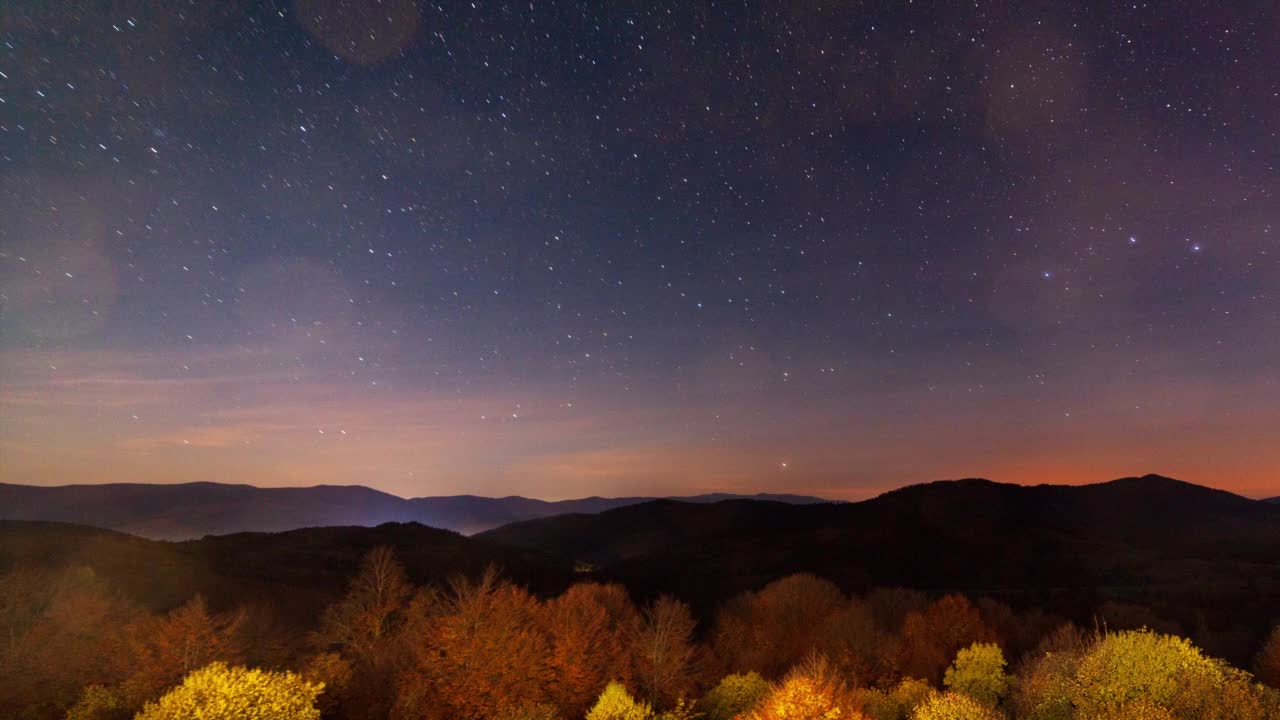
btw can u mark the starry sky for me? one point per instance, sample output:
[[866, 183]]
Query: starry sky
[[570, 248]]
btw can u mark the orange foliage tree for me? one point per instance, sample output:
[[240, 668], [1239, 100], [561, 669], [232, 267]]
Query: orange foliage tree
[[359, 639], [164, 649], [588, 627], [770, 630], [481, 653], [931, 638], [63, 631], [664, 652]]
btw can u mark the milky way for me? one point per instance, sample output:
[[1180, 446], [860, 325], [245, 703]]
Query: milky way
[[560, 249]]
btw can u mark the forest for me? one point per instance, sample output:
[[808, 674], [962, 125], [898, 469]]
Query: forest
[[483, 647]]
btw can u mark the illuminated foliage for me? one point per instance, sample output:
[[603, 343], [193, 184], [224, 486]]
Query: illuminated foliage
[[367, 614], [811, 691], [528, 711], [978, 671], [1164, 670], [897, 703], [734, 695], [770, 630], [856, 643], [954, 706], [932, 637], [219, 692], [615, 703], [1045, 684], [588, 626], [98, 702], [664, 652], [165, 649], [65, 631], [484, 653], [362, 630]]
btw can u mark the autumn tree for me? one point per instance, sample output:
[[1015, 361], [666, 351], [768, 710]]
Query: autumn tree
[[932, 637], [484, 652], [979, 672], [1167, 671], [856, 643], [588, 629], [811, 691], [358, 637], [64, 631], [734, 695], [164, 649], [770, 630], [219, 692], [615, 703], [896, 702], [367, 615], [663, 651], [1267, 665], [1044, 686], [954, 706]]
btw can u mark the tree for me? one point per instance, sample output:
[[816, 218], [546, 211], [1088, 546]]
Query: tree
[[484, 653], [219, 692], [98, 702], [367, 615], [734, 695], [954, 706], [1044, 687], [1267, 664], [664, 652], [65, 630], [363, 629], [1139, 674], [615, 703], [897, 703], [978, 671], [165, 649], [588, 644], [774, 628], [811, 691], [932, 637], [856, 643], [1142, 665]]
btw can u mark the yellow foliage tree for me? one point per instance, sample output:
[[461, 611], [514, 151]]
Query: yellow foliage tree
[[219, 692], [978, 671], [812, 691], [954, 706], [896, 703], [615, 703]]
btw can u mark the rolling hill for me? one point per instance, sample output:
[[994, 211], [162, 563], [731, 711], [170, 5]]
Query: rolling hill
[[192, 510], [1151, 539], [299, 570]]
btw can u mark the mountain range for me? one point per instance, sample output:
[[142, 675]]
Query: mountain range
[[1192, 555], [1161, 543], [191, 510]]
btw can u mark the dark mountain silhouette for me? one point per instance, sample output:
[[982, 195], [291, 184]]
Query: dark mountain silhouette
[[1162, 541], [1199, 557], [296, 573], [1275, 500], [191, 510]]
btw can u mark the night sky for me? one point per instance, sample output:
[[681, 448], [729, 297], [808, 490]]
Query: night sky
[[563, 249]]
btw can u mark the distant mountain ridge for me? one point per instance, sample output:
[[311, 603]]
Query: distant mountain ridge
[[191, 510], [1149, 537]]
